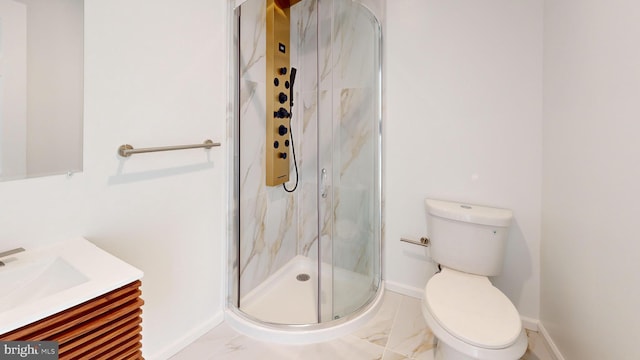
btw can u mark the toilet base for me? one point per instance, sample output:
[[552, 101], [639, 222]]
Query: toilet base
[[446, 352]]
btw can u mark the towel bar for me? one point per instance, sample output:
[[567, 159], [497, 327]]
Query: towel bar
[[128, 150]]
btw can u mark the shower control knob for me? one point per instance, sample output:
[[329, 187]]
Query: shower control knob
[[286, 143], [282, 155], [276, 144], [282, 113], [283, 71], [282, 130], [282, 98]]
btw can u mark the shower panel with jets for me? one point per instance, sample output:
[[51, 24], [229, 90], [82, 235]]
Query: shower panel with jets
[[307, 251]]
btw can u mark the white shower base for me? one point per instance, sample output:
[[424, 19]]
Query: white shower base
[[282, 299]]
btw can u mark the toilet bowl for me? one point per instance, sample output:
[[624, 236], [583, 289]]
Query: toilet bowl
[[471, 318]]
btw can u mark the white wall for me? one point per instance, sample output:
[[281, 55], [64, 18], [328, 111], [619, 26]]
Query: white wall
[[155, 74], [591, 254], [39, 211], [462, 122]]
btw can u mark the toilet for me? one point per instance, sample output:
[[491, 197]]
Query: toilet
[[470, 318]]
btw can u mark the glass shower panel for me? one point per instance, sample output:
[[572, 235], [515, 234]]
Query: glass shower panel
[[304, 129], [349, 155]]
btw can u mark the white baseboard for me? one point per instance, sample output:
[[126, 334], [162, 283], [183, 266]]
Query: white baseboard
[[555, 352], [182, 342], [404, 289], [530, 323]]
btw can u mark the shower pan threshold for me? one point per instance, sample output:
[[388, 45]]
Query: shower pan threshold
[[283, 309]]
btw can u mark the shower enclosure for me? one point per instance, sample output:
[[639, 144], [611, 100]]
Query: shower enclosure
[[310, 256]]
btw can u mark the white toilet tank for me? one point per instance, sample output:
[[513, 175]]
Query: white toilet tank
[[468, 238]]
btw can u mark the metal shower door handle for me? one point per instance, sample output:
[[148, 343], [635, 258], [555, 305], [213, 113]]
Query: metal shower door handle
[[323, 183]]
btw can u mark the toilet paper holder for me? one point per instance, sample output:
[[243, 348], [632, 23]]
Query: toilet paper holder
[[424, 241]]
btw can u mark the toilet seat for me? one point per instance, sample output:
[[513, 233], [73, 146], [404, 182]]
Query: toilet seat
[[471, 309]]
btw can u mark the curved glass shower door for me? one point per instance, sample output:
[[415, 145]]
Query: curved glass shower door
[[309, 255], [349, 156]]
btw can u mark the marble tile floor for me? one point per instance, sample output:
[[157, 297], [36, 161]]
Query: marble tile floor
[[397, 331]]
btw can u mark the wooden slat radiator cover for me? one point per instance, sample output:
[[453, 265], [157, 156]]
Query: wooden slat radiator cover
[[106, 327]]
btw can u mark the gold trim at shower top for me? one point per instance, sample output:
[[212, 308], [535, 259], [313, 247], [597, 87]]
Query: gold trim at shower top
[[277, 82], [286, 3], [128, 150]]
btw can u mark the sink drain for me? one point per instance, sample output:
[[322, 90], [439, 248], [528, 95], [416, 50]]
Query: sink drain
[[303, 277]]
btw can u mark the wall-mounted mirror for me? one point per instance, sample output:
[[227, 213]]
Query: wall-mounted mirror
[[41, 87]]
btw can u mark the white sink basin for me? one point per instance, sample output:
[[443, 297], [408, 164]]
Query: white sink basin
[[26, 281]]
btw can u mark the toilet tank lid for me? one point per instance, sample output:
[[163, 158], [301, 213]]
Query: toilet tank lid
[[475, 214]]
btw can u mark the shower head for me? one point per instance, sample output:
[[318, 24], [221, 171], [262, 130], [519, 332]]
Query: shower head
[[292, 79]]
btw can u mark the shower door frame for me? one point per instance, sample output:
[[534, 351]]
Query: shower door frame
[[233, 225]]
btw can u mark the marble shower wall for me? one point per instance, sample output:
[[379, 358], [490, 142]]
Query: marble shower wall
[[333, 122]]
